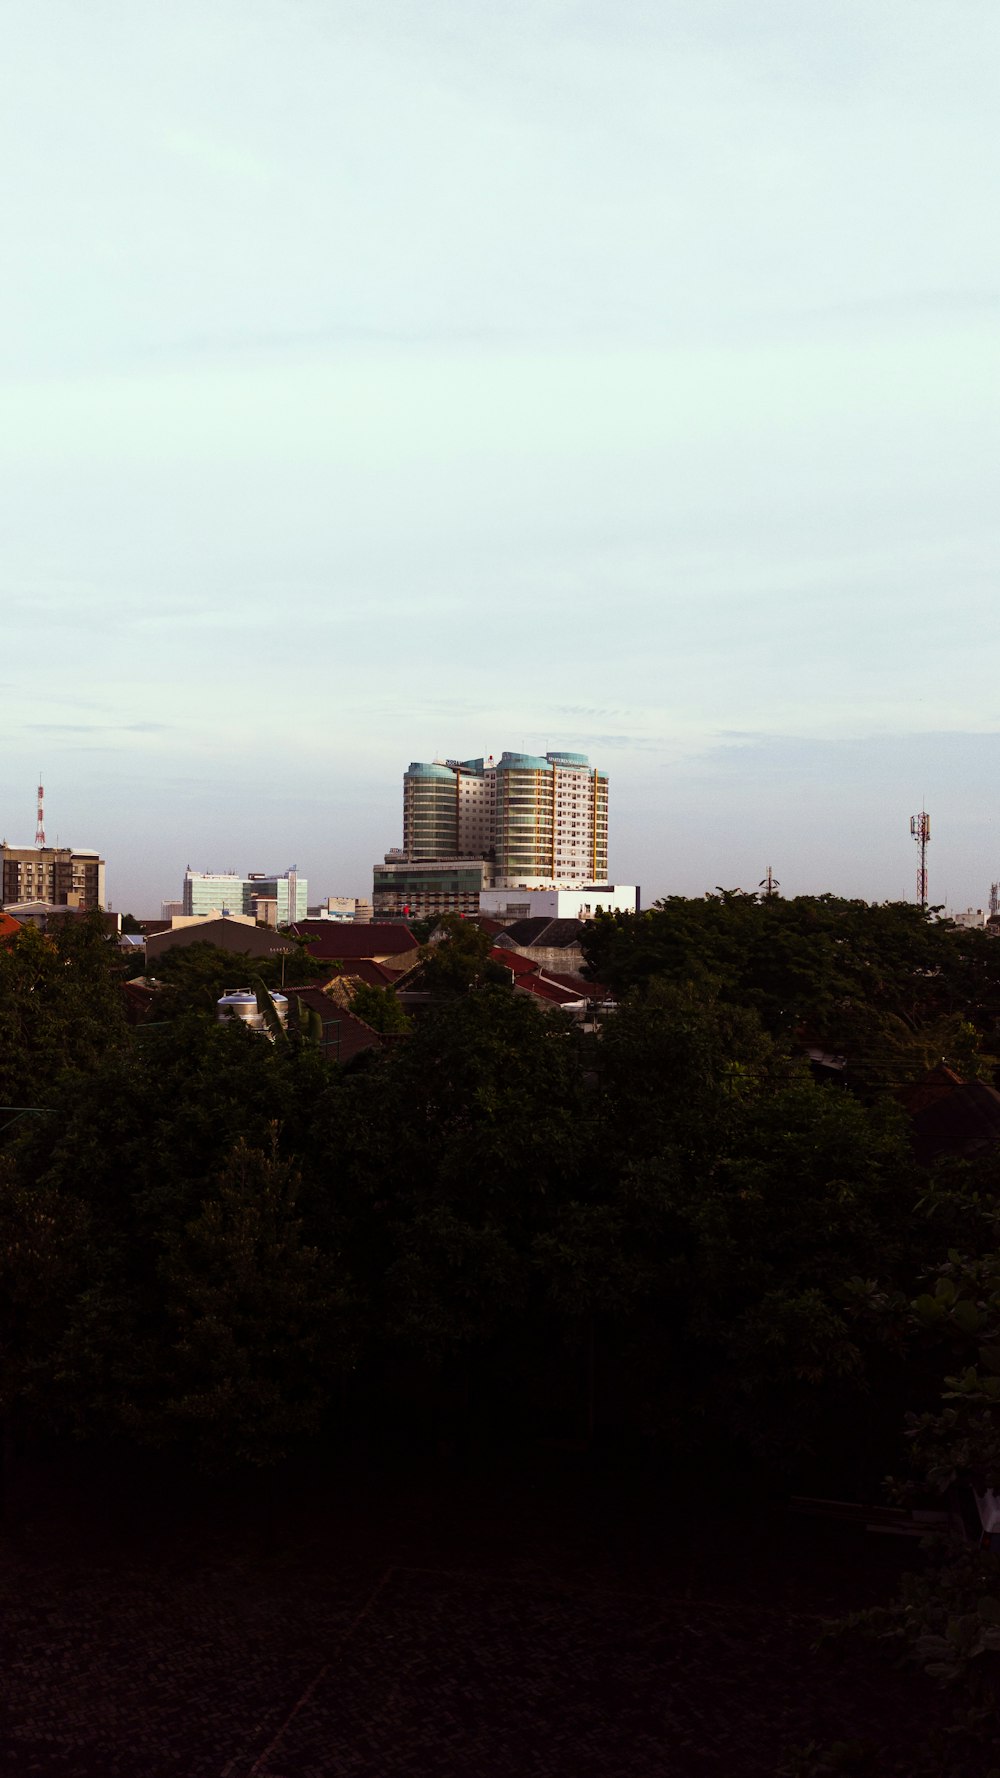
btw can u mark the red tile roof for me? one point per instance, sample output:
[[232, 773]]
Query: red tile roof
[[513, 961], [579, 984], [337, 940], [9, 927], [365, 969], [551, 991]]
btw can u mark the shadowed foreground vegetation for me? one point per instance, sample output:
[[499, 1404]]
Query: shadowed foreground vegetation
[[666, 1241]]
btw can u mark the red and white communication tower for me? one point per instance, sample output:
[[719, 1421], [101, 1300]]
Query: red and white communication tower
[[920, 828], [40, 823]]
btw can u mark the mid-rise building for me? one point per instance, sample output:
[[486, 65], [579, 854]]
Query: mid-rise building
[[212, 892], [63, 876], [272, 900]]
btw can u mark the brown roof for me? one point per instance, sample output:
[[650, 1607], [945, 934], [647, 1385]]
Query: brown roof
[[9, 927], [936, 1084], [226, 935], [967, 1122], [365, 969], [344, 1034], [336, 941], [949, 1115]]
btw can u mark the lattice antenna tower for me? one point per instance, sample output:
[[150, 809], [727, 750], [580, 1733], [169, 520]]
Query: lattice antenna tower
[[920, 828], [40, 822], [994, 900]]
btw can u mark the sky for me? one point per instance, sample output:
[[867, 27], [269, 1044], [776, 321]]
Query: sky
[[393, 381]]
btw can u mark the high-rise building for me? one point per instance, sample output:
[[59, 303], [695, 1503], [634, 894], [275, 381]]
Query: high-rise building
[[63, 876], [273, 900], [550, 821], [528, 822], [447, 809]]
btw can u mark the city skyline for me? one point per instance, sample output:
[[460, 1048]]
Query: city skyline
[[939, 896], [605, 379]]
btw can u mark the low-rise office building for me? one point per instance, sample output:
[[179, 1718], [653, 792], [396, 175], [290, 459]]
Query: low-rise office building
[[342, 907], [416, 890]]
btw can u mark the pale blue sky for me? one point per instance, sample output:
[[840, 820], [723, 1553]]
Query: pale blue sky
[[380, 380]]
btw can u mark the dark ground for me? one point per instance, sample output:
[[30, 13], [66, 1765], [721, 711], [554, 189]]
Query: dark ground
[[446, 1627]]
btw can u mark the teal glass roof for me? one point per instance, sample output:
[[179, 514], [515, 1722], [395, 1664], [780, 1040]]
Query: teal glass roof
[[418, 769]]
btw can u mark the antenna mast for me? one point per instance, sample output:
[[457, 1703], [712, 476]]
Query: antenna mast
[[920, 828], [994, 900], [40, 823]]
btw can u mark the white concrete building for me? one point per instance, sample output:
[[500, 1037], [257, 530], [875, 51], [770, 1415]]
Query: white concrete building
[[559, 904], [343, 907], [973, 918]]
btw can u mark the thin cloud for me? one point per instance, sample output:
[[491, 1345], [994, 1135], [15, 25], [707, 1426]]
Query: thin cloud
[[97, 728]]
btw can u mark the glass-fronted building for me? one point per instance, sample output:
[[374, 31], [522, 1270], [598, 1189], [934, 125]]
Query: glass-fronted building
[[431, 886], [275, 900]]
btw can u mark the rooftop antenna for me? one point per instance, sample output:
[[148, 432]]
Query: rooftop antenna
[[920, 828], [40, 823]]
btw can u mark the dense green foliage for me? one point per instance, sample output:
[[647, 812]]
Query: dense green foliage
[[891, 988], [662, 1236], [456, 958], [666, 1235], [379, 1008], [649, 1235], [194, 976]]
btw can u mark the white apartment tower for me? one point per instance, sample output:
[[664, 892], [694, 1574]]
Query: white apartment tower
[[538, 822]]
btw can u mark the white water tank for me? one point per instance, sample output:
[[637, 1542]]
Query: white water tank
[[241, 1003]]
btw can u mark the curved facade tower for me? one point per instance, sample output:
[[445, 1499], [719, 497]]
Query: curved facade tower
[[430, 812], [524, 821], [551, 820]]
